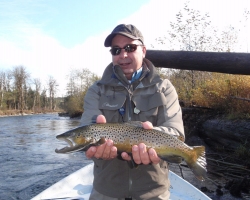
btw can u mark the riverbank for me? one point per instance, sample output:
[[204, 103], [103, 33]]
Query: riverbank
[[216, 185], [7, 113], [227, 152]]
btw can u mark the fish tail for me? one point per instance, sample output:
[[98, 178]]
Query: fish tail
[[198, 162]]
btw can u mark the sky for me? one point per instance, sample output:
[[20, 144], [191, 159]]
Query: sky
[[51, 37]]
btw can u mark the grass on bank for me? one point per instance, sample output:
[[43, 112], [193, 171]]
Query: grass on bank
[[227, 93]]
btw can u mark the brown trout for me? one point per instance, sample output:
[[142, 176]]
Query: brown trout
[[125, 135]]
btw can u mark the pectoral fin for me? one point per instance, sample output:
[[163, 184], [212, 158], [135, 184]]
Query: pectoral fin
[[101, 141], [91, 143]]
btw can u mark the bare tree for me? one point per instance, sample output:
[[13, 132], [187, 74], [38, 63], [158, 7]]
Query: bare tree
[[44, 98], [52, 91], [226, 40], [246, 15], [20, 76], [72, 87], [36, 100], [192, 31], [2, 87], [80, 80], [10, 102]]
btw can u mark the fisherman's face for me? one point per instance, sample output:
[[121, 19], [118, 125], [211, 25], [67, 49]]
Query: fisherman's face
[[129, 62]]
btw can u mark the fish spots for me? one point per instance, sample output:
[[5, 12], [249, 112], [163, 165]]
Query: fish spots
[[130, 134], [125, 135]]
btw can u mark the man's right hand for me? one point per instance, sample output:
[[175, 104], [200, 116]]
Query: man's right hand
[[104, 151]]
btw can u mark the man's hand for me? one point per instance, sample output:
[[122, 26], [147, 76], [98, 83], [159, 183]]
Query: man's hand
[[105, 151], [140, 153]]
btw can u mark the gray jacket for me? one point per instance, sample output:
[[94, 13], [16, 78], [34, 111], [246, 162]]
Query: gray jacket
[[149, 98]]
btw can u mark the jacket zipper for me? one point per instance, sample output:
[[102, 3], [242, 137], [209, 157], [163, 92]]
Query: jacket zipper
[[129, 183], [130, 87], [129, 102]]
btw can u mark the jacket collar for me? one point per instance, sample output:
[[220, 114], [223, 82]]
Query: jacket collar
[[115, 76]]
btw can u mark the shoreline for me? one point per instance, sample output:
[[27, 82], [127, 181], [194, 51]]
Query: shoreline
[[14, 113]]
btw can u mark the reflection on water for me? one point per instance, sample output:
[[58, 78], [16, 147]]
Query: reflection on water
[[28, 160]]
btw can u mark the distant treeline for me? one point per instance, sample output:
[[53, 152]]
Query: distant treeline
[[18, 91], [223, 92]]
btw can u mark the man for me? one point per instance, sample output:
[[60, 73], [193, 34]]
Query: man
[[131, 90]]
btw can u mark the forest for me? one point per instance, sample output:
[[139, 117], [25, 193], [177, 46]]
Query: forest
[[19, 92]]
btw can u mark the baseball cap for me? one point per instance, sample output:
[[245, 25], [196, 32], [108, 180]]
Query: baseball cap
[[127, 30]]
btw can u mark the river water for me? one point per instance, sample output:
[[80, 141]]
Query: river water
[[28, 162]]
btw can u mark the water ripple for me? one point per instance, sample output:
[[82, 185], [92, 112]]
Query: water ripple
[[28, 160]]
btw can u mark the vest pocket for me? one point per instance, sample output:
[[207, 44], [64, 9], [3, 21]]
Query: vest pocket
[[110, 106], [146, 106]]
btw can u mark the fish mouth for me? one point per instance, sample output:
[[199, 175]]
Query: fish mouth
[[69, 149], [65, 140]]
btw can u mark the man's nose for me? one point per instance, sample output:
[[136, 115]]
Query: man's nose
[[123, 54]]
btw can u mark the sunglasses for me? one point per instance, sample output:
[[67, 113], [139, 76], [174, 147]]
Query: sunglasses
[[128, 48]]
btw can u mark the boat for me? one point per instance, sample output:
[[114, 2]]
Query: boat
[[78, 185]]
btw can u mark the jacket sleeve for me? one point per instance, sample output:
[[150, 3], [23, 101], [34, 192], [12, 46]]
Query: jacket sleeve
[[170, 115], [91, 105]]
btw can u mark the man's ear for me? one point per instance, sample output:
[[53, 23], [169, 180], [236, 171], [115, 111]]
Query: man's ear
[[144, 51]]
